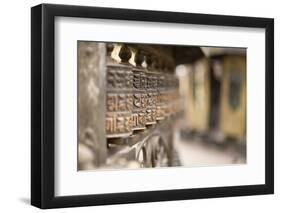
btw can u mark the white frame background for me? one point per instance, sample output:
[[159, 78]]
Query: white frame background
[[69, 181]]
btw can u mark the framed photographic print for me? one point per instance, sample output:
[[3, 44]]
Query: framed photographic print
[[140, 106]]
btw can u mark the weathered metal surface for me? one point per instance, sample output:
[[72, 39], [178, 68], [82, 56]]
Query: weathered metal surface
[[91, 102]]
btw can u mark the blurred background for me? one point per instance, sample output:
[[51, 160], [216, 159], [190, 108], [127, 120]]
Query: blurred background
[[212, 128]]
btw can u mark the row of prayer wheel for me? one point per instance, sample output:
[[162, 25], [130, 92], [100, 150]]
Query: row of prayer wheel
[[142, 89]]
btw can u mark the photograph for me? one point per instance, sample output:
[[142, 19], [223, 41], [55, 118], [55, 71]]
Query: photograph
[[133, 105], [160, 105]]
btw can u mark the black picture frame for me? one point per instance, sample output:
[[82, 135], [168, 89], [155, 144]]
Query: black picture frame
[[43, 102]]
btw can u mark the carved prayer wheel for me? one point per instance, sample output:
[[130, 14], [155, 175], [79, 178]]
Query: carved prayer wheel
[[119, 98], [151, 91], [161, 84], [160, 104], [138, 119]]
